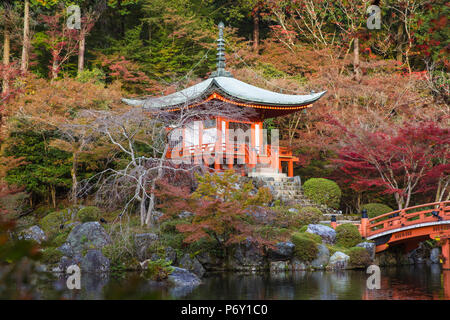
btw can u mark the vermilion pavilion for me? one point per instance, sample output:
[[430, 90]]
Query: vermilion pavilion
[[253, 156]]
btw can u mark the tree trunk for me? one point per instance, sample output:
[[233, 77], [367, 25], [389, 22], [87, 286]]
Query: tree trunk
[[74, 179], [6, 54], [81, 50], [256, 30], [399, 48], [356, 67], [54, 69], [26, 37], [53, 195]]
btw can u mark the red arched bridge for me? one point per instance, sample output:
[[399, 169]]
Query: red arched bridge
[[410, 226]]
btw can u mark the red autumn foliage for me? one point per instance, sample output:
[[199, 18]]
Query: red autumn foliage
[[399, 160]]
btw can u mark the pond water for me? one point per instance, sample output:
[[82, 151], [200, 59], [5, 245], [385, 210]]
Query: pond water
[[406, 282]]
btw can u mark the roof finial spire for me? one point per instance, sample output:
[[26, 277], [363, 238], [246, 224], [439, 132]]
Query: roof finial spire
[[221, 72]]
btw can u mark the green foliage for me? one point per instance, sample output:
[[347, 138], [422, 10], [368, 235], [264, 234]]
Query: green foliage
[[359, 257], [305, 246], [58, 239], [87, 214], [295, 220], [121, 252], [47, 169], [347, 235], [14, 204], [51, 222], [158, 270], [323, 191], [96, 75], [51, 255], [376, 209]]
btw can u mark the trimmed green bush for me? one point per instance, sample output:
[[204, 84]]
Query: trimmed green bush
[[347, 235], [359, 257], [87, 214], [305, 247], [323, 191], [376, 209]]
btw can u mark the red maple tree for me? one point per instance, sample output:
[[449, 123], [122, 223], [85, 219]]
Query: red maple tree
[[399, 160]]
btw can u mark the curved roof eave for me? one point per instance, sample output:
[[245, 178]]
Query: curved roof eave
[[233, 88]]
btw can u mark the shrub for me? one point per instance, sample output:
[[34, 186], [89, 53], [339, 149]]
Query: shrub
[[347, 235], [158, 270], [376, 209], [304, 216], [121, 252], [51, 222], [359, 257], [309, 215], [57, 239], [87, 214], [305, 247], [51, 255], [323, 191]]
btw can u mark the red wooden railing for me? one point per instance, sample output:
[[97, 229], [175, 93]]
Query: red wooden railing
[[407, 217]]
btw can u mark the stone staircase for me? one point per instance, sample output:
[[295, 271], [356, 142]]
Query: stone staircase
[[267, 172], [289, 191]]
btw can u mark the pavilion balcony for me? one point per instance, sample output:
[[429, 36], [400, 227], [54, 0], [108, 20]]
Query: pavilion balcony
[[240, 157]]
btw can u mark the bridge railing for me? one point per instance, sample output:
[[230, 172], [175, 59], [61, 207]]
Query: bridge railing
[[408, 216]]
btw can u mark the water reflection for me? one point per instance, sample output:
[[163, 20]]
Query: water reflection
[[408, 282]]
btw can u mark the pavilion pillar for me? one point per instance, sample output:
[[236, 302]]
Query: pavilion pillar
[[446, 254], [364, 223], [446, 284], [291, 168], [218, 145]]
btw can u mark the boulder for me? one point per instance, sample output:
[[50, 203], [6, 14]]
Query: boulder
[[323, 256], [297, 265], [192, 264], [370, 247], [209, 261], [142, 242], [338, 261], [33, 233], [182, 277], [65, 262], [247, 256], [171, 254], [66, 249], [293, 210], [434, 255], [327, 234], [88, 235], [94, 261], [277, 266], [282, 251]]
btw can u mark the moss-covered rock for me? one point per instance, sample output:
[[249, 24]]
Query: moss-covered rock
[[305, 246], [347, 235], [323, 191], [87, 214], [376, 209], [53, 221], [359, 257], [51, 255]]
